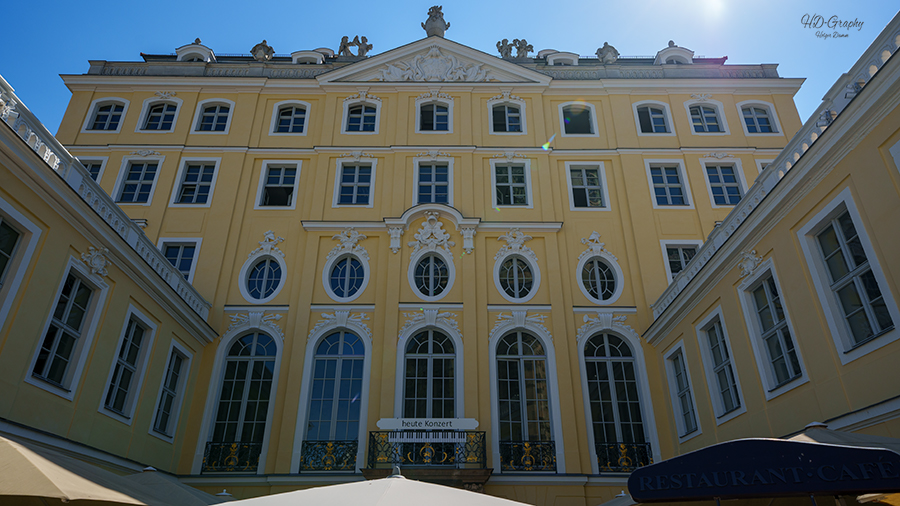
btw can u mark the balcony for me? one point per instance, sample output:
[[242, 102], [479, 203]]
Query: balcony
[[528, 456], [231, 457], [622, 457], [328, 455], [426, 448]]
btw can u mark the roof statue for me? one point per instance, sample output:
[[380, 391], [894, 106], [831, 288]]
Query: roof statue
[[262, 51], [522, 48], [362, 46], [197, 41], [505, 48], [435, 24], [344, 48], [607, 54]]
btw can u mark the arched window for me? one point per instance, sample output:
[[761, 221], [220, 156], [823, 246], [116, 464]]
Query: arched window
[[347, 277], [757, 120], [214, 118], [430, 383], [652, 120], [526, 435], [264, 278], [598, 278], [332, 429], [361, 118], [243, 406], [431, 275], [291, 119], [705, 119], [615, 404], [107, 116], [516, 278], [577, 119], [160, 117]]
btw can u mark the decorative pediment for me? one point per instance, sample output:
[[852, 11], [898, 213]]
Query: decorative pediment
[[349, 239], [515, 244], [268, 246], [432, 236], [595, 247]]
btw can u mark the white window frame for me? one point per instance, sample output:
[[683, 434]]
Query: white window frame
[[512, 100], [682, 174], [604, 188], [433, 98], [840, 334], [123, 172], [531, 260], [712, 383], [92, 111], [140, 370], [458, 370], [665, 243], [773, 117], [198, 112], [29, 234], [274, 122], [336, 196], [179, 180], [720, 113], [678, 349], [610, 260], [145, 110], [95, 159], [525, 162], [91, 322], [761, 165], [367, 275], [295, 164], [411, 273], [670, 123], [895, 153], [763, 362], [437, 160], [595, 131], [254, 258], [196, 241], [739, 173], [370, 101], [186, 357]]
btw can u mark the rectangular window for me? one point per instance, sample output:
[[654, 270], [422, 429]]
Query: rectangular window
[[138, 183], [681, 389], [126, 369], [785, 365], [668, 190], [652, 120], [434, 118], [723, 184], [506, 118], [704, 119], [66, 328], [196, 183], [279, 186], [181, 256], [678, 257], [721, 368], [93, 167], [166, 410], [587, 186], [9, 241], [510, 185], [434, 183], [356, 182]]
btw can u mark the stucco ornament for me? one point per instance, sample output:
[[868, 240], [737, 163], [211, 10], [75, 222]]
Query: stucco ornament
[[749, 262], [435, 24], [515, 244], [268, 246], [96, 259], [146, 152], [349, 239], [468, 234], [257, 319], [262, 51], [522, 48], [395, 233], [430, 317], [432, 236], [434, 66], [520, 319], [595, 247], [604, 321], [607, 54], [165, 94], [341, 319], [505, 48]]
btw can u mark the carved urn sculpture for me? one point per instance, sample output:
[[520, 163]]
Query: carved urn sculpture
[[435, 24]]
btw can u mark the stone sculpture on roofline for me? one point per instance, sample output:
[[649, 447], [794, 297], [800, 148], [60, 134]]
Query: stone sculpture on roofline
[[607, 54], [435, 24], [362, 46], [261, 52]]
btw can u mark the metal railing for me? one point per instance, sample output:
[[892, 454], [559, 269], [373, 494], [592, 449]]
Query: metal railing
[[528, 456], [425, 448], [328, 455], [622, 457], [231, 457]]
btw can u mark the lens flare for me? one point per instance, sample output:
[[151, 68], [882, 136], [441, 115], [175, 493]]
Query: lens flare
[[546, 145]]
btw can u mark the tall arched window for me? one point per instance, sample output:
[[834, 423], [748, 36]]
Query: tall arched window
[[240, 422], [615, 404], [430, 383], [332, 429], [526, 436]]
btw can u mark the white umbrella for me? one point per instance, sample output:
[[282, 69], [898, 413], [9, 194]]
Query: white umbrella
[[395, 490]]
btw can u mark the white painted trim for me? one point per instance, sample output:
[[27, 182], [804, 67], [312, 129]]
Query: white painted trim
[[257, 204], [682, 173], [514, 100], [179, 180], [254, 258], [427, 99], [595, 131], [80, 354], [196, 241], [274, 121], [673, 393], [670, 124], [603, 186], [761, 165], [525, 162], [123, 172], [345, 115], [140, 369], [895, 153], [738, 170], [499, 331], [336, 195], [763, 362], [773, 117], [92, 111], [535, 273], [198, 112], [837, 324], [720, 113], [459, 370], [101, 159], [570, 58], [440, 159], [611, 261], [145, 108], [21, 258], [326, 277], [306, 385], [177, 404], [708, 367], [671, 243], [414, 260]]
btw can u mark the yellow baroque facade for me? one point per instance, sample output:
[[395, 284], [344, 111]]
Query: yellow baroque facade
[[443, 260]]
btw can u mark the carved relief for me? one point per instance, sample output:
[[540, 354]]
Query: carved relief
[[520, 319], [257, 319], [432, 236], [701, 97], [395, 233], [434, 66], [595, 247], [363, 95], [515, 244], [165, 94], [504, 96], [433, 155], [749, 262], [430, 317], [268, 246], [719, 155], [434, 94], [509, 155], [349, 239], [146, 152], [468, 234], [604, 321], [356, 155], [96, 259], [341, 319]]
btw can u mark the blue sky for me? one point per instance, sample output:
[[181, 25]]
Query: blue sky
[[53, 37]]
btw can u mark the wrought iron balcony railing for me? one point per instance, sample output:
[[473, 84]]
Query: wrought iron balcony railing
[[328, 455], [231, 457], [528, 456], [623, 457], [427, 448]]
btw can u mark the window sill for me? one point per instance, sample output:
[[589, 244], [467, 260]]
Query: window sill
[[51, 383], [867, 340], [786, 382]]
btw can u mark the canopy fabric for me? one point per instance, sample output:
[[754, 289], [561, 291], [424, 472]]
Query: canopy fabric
[[819, 434], [172, 490]]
